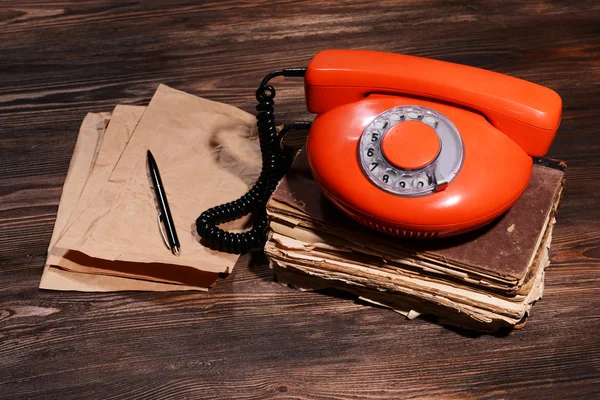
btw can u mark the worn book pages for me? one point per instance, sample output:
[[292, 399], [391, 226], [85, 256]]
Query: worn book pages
[[461, 280], [461, 305], [518, 234], [207, 153]]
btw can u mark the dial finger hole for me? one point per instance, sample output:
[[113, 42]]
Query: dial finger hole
[[389, 176], [404, 181], [396, 116], [374, 136], [376, 166], [414, 114], [431, 120], [422, 180], [371, 151], [380, 123]]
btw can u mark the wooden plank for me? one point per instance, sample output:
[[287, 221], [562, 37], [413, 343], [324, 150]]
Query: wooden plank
[[251, 338]]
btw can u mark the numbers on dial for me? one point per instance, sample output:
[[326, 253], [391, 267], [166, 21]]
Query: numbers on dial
[[390, 178], [405, 181], [422, 180], [380, 124]]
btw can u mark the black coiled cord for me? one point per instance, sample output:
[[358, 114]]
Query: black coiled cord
[[275, 163]]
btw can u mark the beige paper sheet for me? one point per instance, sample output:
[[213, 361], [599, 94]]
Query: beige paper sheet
[[55, 278], [89, 151], [206, 157], [89, 172], [122, 125]]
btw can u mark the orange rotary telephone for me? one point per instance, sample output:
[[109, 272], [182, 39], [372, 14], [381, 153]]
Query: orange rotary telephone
[[406, 145]]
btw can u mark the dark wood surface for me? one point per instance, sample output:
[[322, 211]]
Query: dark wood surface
[[251, 338]]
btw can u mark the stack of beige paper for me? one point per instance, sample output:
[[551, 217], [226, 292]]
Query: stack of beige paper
[[486, 280], [106, 236]]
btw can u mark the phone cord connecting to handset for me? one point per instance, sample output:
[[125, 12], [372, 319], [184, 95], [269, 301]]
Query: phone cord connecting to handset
[[275, 163]]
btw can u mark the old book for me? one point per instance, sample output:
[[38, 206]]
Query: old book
[[484, 280]]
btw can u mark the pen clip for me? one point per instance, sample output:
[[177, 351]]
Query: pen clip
[[162, 231]]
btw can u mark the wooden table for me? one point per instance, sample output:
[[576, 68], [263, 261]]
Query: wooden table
[[251, 338]]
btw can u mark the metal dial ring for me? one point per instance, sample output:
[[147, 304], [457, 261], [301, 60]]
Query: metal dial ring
[[434, 176]]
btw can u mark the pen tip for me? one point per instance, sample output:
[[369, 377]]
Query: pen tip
[[175, 250], [150, 158]]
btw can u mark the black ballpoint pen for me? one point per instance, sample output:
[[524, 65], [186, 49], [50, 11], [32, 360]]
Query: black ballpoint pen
[[165, 212]]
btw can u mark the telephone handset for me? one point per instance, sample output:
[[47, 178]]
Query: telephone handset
[[409, 146]]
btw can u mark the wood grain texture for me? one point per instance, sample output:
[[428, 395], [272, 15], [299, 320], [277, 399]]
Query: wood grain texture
[[251, 338]]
